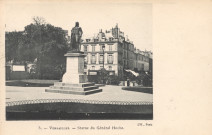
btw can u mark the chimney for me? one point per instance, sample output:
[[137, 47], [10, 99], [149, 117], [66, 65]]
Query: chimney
[[116, 25]]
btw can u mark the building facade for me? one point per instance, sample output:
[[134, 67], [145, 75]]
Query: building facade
[[119, 53]]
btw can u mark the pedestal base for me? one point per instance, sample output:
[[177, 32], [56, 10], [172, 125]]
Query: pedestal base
[[74, 68], [78, 89], [74, 78], [74, 81]]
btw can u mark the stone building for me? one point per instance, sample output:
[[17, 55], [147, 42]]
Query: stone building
[[119, 53]]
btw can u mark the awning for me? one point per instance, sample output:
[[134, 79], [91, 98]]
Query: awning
[[133, 72]]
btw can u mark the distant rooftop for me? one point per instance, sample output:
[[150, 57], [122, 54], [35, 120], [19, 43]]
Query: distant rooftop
[[113, 34]]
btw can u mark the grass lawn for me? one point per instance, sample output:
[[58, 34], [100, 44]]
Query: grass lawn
[[139, 89], [31, 83]]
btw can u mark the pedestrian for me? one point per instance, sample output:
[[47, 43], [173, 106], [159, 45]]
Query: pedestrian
[[128, 82]]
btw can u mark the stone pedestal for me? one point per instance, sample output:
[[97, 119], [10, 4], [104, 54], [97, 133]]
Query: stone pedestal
[[74, 69], [74, 81]]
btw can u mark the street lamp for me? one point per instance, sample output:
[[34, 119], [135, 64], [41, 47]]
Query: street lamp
[[103, 49]]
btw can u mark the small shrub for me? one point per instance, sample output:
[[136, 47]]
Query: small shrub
[[113, 80]]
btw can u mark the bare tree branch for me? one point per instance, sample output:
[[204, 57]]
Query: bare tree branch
[[38, 20]]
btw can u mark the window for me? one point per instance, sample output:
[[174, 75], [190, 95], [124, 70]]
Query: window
[[100, 46], [110, 47], [142, 67], [101, 67], [125, 54], [85, 62], [93, 59], [101, 59], [110, 59], [110, 67], [93, 67], [85, 48], [93, 48], [87, 40], [86, 59]]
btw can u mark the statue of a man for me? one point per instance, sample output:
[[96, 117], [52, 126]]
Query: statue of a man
[[76, 34]]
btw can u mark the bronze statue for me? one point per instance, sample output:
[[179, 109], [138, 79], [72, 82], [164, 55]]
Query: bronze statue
[[76, 34]]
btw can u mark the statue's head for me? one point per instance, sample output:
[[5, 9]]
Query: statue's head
[[77, 24]]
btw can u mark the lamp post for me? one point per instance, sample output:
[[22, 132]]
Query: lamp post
[[103, 49]]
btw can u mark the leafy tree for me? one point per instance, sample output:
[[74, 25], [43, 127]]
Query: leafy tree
[[144, 79], [12, 40], [103, 75], [41, 42], [113, 80]]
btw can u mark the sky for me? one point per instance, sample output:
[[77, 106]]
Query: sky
[[134, 19]]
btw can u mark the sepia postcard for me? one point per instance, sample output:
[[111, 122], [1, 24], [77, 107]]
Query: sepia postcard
[[106, 67]]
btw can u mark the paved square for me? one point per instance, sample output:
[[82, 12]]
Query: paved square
[[109, 93]]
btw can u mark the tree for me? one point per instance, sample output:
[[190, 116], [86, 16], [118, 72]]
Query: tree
[[38, 20], [41, 42], [49, 44], [144, 79], [113, 80], [12, 40], [103, 75]]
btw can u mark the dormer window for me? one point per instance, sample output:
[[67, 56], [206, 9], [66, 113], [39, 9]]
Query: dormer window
[[96, 40], [87, 40]]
